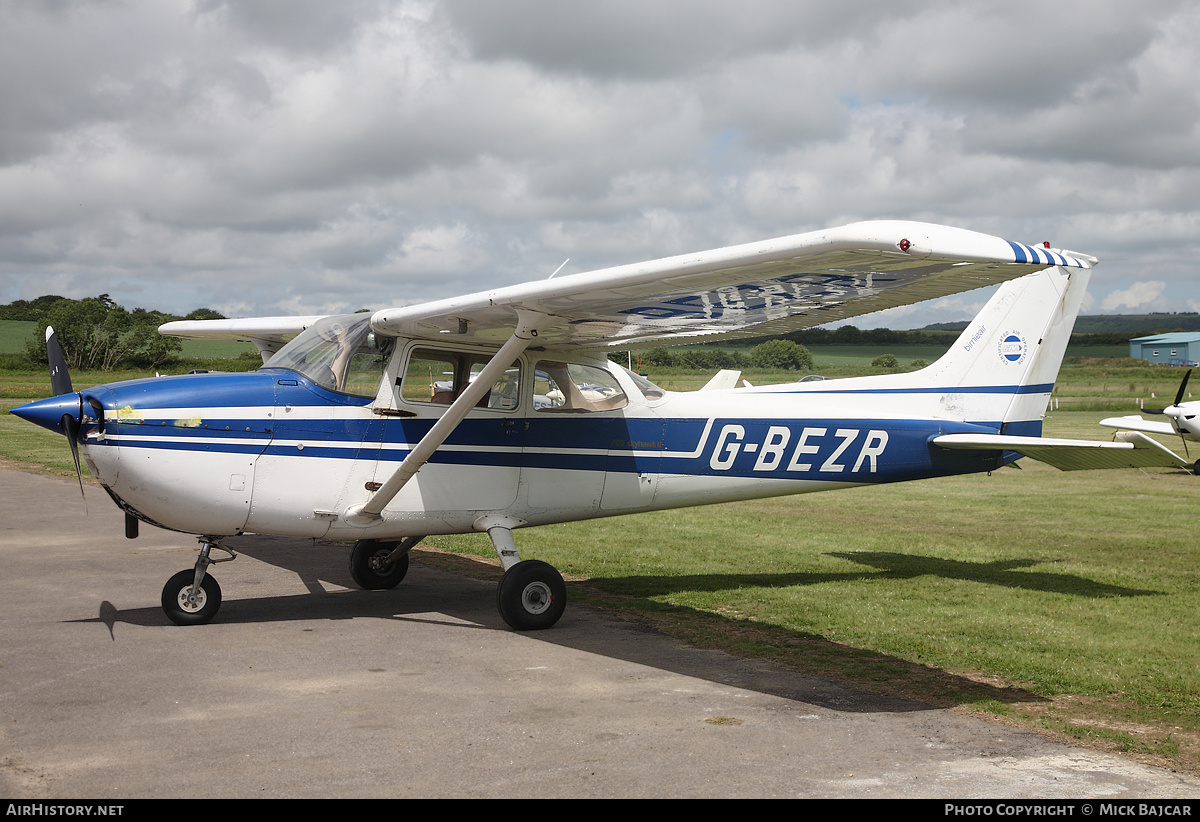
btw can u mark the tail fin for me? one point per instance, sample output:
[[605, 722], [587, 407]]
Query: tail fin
[[1006, 361]]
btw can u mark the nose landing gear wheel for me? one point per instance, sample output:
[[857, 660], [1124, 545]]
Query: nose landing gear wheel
[[184, 609], [532, 595]]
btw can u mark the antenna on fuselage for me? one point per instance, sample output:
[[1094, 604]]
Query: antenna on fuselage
[[560, 268]]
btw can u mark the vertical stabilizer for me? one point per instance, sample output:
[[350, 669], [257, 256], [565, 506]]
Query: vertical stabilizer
[[1006, 361]]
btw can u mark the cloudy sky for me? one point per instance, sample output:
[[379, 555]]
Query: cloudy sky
[[309, 157]]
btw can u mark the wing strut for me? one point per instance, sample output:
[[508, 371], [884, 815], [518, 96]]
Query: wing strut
[[371, 512]]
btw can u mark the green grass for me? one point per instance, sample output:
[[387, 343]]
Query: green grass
[[1067, 601], [13, 334], [1069, 598], [1074, 583]]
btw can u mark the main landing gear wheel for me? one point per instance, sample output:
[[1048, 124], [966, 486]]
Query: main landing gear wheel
[[182, 608], [370, 568], [532, 595]]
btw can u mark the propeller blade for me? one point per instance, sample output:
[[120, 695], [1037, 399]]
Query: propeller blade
[[58, 408], [70, 427], [60, 378], [1178, 396]]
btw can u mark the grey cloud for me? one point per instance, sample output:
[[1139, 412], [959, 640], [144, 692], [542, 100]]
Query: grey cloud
[[1013, 56], [264, 157], [306, 27]]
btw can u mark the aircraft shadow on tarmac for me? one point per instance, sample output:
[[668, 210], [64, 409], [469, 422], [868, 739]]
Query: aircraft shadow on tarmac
[[426, 596]]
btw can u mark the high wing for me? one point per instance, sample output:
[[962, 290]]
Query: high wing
[[751, 290], [268, 334], [1133, 451]]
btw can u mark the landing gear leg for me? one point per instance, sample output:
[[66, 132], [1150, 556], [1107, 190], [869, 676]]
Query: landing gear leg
[[193, 597], [532, 594]]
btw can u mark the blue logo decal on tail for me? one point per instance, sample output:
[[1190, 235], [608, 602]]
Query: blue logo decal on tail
[[1013, 348]]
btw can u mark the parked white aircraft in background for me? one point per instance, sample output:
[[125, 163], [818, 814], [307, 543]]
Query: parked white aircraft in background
[[502, 410], [1183, 419]]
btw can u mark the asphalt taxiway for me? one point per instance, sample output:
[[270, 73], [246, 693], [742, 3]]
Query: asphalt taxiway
[[305, 686]]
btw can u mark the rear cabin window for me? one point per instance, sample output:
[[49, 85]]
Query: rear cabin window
[[569, 388], [438, 377], [649, 390]]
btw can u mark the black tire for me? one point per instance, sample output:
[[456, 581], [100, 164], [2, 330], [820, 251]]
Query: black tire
[[532, 596], [368, 569], [176, 607]]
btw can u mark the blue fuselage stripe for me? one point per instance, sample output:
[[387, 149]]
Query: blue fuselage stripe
[[852, 450], [278, 424]]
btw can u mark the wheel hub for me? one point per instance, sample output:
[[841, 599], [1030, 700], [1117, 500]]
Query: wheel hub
[[192, 601], [537, 597]]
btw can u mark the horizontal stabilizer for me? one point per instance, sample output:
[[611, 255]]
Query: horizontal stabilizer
[[1134, 450], [1136, 423]]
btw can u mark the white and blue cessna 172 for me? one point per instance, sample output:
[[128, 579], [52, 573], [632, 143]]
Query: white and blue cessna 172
[[501, 410]]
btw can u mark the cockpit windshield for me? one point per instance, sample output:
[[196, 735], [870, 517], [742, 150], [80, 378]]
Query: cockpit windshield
[[340, 353]]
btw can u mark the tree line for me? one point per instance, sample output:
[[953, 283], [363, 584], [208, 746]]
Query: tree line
[[97, 334], [772, 354], [944, 336]]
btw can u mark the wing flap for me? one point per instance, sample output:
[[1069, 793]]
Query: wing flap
[[1134, 450]]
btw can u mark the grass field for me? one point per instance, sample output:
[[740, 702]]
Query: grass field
[[1063, 601]]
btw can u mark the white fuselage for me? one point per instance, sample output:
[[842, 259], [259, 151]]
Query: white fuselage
[[294, 457]]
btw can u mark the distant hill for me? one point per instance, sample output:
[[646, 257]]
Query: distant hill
[[1134, 325]]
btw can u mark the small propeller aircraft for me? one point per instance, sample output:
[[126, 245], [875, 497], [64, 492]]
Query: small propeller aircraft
[[502, 410], [1183, 419]]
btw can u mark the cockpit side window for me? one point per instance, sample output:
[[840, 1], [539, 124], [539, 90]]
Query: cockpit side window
[[438, 377], [367, 366], [338, 353]]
